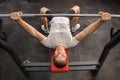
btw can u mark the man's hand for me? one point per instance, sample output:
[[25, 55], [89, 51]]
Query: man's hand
[[16, 15], [105, 16]]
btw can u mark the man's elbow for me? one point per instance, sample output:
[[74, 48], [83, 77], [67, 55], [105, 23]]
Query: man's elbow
[[80, 36]]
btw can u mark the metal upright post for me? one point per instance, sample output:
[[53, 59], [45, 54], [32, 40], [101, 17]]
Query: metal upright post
[[12, 53], [112, 43], [112, 33]]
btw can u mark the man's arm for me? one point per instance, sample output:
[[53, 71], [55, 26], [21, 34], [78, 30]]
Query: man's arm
[[28, 28], [93, 27]]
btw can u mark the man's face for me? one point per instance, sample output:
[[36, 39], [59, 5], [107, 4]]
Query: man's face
[[60, 54]]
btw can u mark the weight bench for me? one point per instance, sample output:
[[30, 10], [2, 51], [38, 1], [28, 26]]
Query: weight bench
[[49, 66]]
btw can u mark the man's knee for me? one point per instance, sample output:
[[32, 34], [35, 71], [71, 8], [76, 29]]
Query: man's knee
[[76, 8], [43, 10]]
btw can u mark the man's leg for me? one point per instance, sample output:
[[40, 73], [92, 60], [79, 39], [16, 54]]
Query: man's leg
[[74, 21], [76, 9], [43, 10]]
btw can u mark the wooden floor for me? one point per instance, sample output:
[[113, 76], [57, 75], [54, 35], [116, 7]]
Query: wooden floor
[[90, 48]]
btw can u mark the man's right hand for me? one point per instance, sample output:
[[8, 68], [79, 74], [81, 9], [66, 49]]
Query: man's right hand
[[16, 15]]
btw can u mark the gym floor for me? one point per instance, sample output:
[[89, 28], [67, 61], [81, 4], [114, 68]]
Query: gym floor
[[90, 48]]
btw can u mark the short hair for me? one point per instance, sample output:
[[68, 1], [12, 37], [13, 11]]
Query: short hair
[[60, 64]]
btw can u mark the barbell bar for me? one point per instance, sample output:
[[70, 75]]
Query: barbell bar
[[60, 15]]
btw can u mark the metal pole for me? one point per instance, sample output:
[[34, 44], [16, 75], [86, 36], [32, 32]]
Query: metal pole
[[47, 64], [60, 15], [112, 43], [12, 53], [113, 34]]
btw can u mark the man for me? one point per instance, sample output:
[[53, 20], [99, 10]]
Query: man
[[60, 36]]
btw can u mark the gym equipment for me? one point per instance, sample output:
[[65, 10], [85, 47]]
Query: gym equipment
[[93, 66], [60, 15]]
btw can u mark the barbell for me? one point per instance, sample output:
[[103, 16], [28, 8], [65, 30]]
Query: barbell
[[60, 15]]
